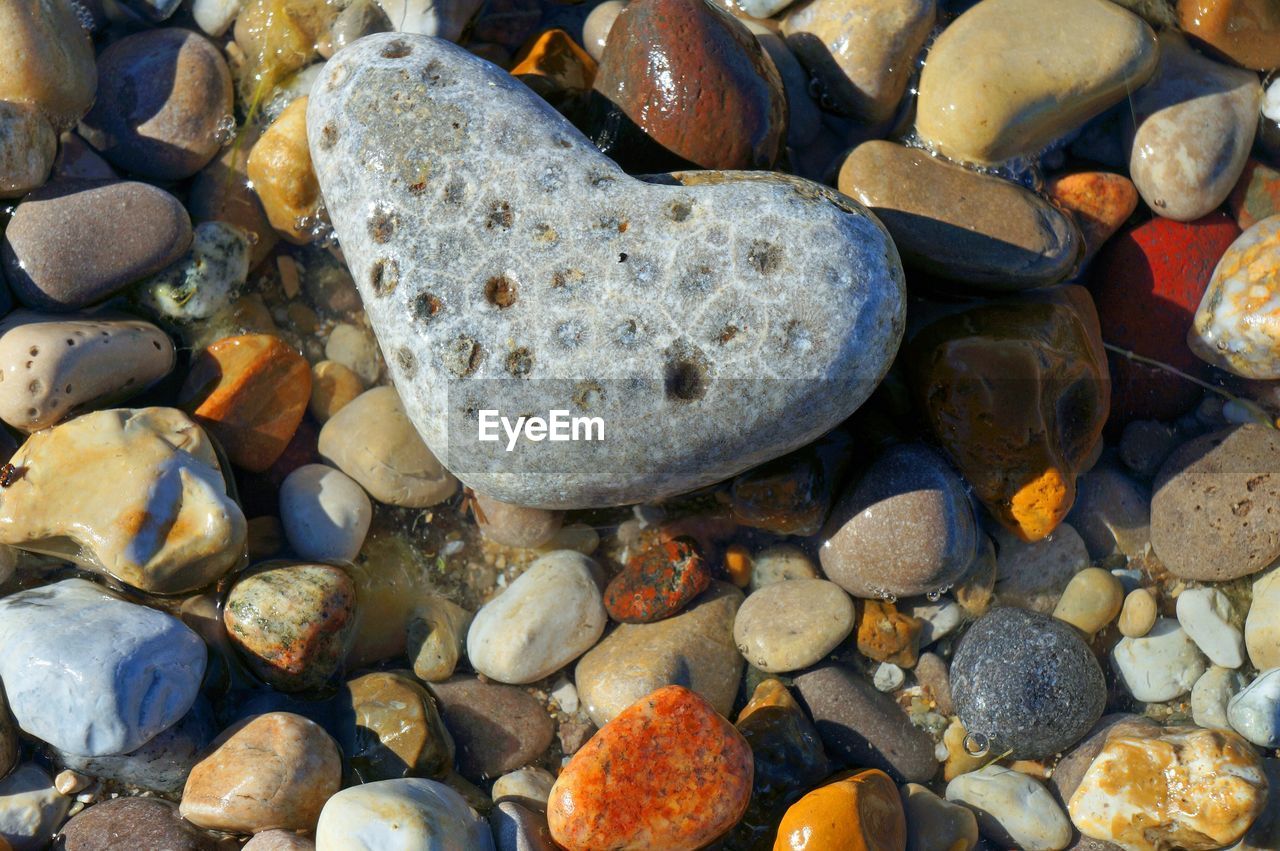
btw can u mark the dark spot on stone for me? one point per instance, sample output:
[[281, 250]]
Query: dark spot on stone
[[417, 188], [463, 356], [727, 333], [627, 332], [431, 72], [685, 373], [67, 390], [35, 350], [520, 362], [500, 291], [599, 179], [35, 387], [1242, 508], [500, 216], [382, 224], [622, 258], [156, 343], [328, 136], [397, 49], [764, 257], [679, 211], [623, 225], [407, 362], [566, 278], [455, 192], [384, 277], [588, 395], [1253, 483], [426, 306], [563, 142], [70, 342], [545, 233]]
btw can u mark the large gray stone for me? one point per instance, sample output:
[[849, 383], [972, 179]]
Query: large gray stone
[[713, 321], [94, 675]]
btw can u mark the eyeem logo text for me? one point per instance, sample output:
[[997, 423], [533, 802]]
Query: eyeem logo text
[[557, 427]]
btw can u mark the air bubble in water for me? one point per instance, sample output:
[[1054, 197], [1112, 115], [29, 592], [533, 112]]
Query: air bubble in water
[[976, 744], [225, 130]]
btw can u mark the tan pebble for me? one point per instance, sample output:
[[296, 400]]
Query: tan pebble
[[48, 60], [1091, 600], [1138, 615], [280, 168], [333, 385], [959, 760], [27, 149], [70, 783]]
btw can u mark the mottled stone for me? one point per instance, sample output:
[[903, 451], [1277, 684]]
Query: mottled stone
[[887, 635], [906, 528], [280, 167], [221, 192], [292, 623], [861, 52], [205, 280], [791, 495], [1013, 809], [81, 694], [1091, 600], [30, 808], [408, 814], [694, 649], [548, 275], [130, 824], [1246, 31], [995, 381], [496, 728], [790, 625], [959, 224], [1010, 76], [1237, 326], [1098, 201], [1070, 770], [135, 494], [1027, 683], [122, 232], [396, 729], [58, 365], [548, 617], [251, 392], [27, 149], [667, 772], [935, 824], [325, 513], [780, 563], [1185, 788], [1162, 665], [657, 582], [1208, 510], [162, 94], [272, 771], [1195, 123], [860, 813], [862, 727], [1256, 195], [48, 60]]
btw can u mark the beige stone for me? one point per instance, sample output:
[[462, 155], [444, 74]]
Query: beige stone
[[53, 365], [279, 840], [135, 494], [861, 51], [1091, 600], [48, 59], [280, 168], [1262, 626], [1138, 614], [27, 149], [333, 385], [372, 441], [1010, 76], [272, 771], [436, 638], [1186, 788]]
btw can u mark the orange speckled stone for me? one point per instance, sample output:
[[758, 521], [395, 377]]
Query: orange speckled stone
[[249, 392], [667, 774], [657, 582], [860, 813], [887, 635], [1245, 31], [1100, 202]]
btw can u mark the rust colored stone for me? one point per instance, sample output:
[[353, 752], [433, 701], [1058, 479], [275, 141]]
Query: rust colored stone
[[668, 772], [250, 392], [696, 81], [1245, 31], [860, 813], [657, 582], [1256, 196], [1099, 201], [1017, 391], [887, 635]]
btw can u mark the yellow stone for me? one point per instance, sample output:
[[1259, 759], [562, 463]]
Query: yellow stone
[[860, 813]]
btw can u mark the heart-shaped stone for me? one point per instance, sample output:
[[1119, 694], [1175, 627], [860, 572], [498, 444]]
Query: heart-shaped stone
[[710, 320]]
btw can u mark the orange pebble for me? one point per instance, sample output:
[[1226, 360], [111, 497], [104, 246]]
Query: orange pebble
[[860, 813], [737, 563], [887, 635], [558, 60], [1100, 202]]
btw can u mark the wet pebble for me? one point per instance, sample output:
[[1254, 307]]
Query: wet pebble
[[49, 64], [935, 824], [27, 149], [657, 581], [863, 811], [1112, 513], [532, 785], [779, 563], [279, 840], [1035, 575], [1245, 31], [1100, 203], [30, 808], [598, 25], [1162, 665], [1012, 809], [1091, 600], [1205, 615], [333, 387], [790, 625], [1138, 614], [1234, 329], [1255, 711], [123, 824], [204, 281], [1262, 626], [280, 168], [325, 513], [515, 525], [496, 728], [436, 637], [395, 729], [401, 815]]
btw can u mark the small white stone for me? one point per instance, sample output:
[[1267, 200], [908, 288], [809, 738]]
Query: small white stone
[[565, 694], [215, 16], [940, 619], [354, 348], [69, 782], [325, 514], [1012, 808], [1205, 615], [1210, 695], [889, 677], [1162, 665], [406, 814], [30, 808], [533, 784], [1255, 712]]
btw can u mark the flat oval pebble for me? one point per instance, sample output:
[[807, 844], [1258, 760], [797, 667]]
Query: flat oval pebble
[[496, 728], [1027, 683], [278, 840], [91, 697], [1236, 323], [271, 771], [790, 625], [1262, 625], [657, 582], [326, 515], [1195, 123], [409, 814], [548, 617], [1010, 76], [49, 62], [960, 224], [1162, 665], [376, 444], [668, 772], [515, 525], [161, 95], [554, 262], [59, 364], [122, 230], [1091, 600], [906, 528], [1138, 614], [1013, 809], [128, 824], [1211, 694]]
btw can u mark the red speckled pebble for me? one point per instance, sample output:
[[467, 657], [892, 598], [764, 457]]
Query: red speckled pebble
[[657, 582], [1147, 283], [667, 774]]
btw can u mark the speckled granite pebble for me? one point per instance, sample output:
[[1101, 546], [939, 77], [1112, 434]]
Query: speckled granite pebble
[[588, 276]]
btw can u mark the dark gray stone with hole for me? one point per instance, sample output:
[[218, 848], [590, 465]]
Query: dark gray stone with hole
[[712, 320]]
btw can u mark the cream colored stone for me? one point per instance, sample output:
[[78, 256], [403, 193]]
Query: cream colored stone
[[861, 51], [529, 784], [1012, 809], [1187, 788], [333, 386], [1010, 76], [53, 365], [1138, 615], [135, 494], [48, 59], [1092, 600], [436, 638], [27, 149], [1262, 626]]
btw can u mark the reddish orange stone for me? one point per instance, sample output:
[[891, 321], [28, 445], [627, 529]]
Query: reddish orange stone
[[887, 635], [1245, 31], [860, 813], [249, 392], [1100, 202], [657, 582], [667, 773]]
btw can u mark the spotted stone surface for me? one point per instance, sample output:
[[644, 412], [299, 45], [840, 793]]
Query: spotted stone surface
[[503, 260]]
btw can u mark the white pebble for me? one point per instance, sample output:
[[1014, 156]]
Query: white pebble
[[1205, 615], [325, 514], [215, 16], [1163, 664], [565, 695], [1012, 809], [1255, 712], [889, 677], [940, 619], [1211, 694]]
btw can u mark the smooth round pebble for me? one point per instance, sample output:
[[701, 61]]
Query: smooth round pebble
[[1162, 665], [1205, 615], [781, 562], [595, 29], [888, 677], [30, 808], [786, 626], [496, 728], [1013, 809], [135, 824], [1091, 600], [1138, 614], [1262, 626], [326, 515], [530, 784], [409, 814], [333, 387]]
